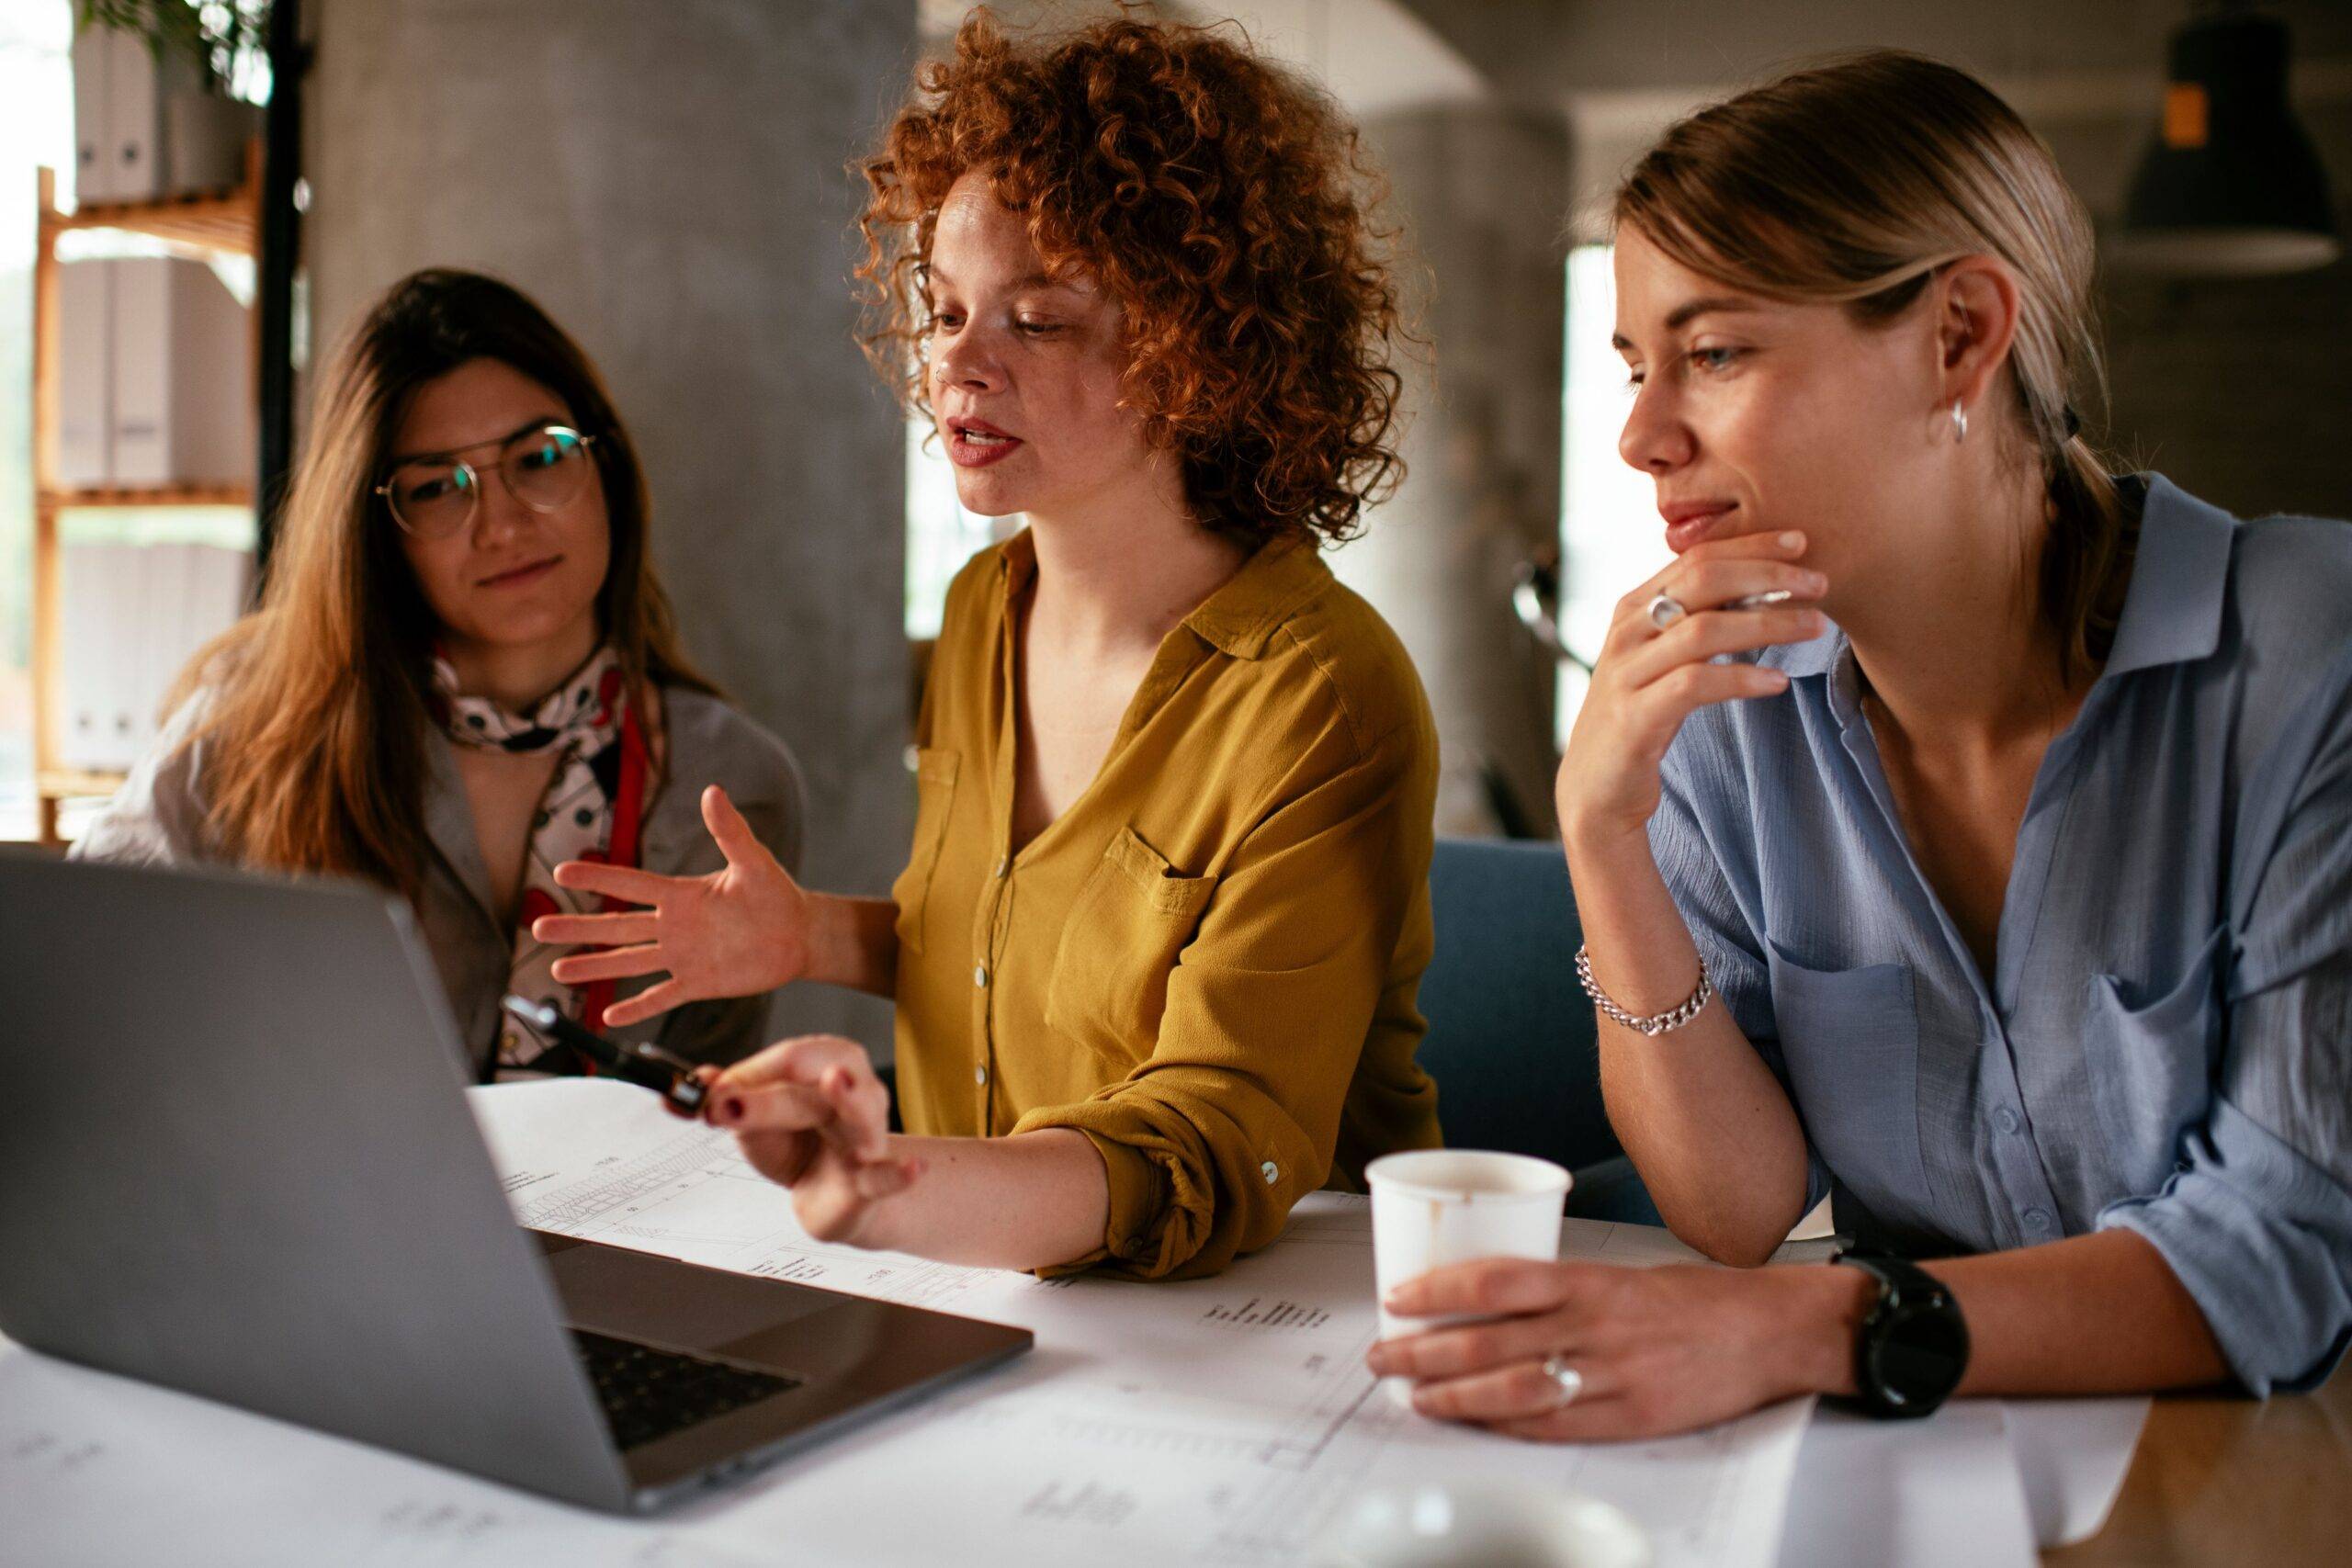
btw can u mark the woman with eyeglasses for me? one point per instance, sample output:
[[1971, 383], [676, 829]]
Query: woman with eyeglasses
[[463, 673]]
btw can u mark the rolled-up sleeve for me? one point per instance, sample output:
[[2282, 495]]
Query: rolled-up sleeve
[[2257, 1222], [1235, 1114]]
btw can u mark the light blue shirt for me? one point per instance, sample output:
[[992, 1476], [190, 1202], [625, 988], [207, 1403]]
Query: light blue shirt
[[2167, 1044]]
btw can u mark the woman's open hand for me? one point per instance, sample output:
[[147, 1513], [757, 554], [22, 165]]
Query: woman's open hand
[[1648, 680], [810, 1115], [735, 932], [1652, 1350]]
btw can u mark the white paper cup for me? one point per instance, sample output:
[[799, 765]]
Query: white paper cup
[[1432, 1207]]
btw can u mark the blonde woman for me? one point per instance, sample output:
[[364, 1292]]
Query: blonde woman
[[1999, 886], [463, 673]]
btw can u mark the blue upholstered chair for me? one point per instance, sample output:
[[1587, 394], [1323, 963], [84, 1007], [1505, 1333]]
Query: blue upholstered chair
[[1511, 1040]]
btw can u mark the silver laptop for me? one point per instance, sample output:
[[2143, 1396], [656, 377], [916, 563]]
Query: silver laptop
[[236, 1159]]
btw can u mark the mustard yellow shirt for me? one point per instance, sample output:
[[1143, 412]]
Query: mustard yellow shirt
[[1207, 963]]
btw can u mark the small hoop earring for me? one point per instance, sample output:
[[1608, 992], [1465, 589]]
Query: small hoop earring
[[1959, 423]]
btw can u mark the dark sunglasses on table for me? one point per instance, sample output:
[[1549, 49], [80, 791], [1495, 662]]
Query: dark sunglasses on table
[[544, 467]]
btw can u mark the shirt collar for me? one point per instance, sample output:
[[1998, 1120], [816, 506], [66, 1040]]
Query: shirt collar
[[2172, 609], [2180, 578], [1242, 615]]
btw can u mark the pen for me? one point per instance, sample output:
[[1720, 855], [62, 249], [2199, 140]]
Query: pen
[[1763, 601], [666, 1074]]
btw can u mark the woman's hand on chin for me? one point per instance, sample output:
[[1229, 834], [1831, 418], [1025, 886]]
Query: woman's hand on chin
[[810, 1115], [735, 932], [1641, 1352], [1650, 679]]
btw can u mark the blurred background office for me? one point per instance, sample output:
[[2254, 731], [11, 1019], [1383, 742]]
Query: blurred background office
[[675, 182]]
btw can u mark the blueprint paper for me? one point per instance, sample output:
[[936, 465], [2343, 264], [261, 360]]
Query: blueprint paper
[[97, 1471], [1220, 1421], [1214, 1421]]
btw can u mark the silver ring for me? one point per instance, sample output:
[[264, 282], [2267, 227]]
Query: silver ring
[[1571, 1380], [1665, 610]]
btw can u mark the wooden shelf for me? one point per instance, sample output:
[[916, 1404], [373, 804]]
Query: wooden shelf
[[70, 784], [226, 222], [219, 222], [150, 495]]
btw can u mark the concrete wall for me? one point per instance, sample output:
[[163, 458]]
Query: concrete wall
[[1475, 188], [670, 182]]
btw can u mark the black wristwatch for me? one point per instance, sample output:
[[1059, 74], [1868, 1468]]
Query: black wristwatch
[[1913, 1345]]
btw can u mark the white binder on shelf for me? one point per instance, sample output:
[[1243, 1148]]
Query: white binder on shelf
[[84, 373], [139, 80], [92, 125], [97, 600], [222, 579], [133, 616], [183, 375], [147, 637], [197, 591]]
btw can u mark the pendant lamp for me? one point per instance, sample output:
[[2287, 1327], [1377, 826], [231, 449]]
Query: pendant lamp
[[2231, 186]]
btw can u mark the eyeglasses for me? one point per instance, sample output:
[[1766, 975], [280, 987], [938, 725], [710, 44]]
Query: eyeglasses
[[544, 467]]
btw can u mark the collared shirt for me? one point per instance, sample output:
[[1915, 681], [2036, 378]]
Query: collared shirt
[[2165, 1044], [158, 819], [1207, 963]]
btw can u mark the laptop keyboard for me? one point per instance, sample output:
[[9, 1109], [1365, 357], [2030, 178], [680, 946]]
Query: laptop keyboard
[[649, 1394]]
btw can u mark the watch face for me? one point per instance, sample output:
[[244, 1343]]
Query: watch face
[[1919, 1354]]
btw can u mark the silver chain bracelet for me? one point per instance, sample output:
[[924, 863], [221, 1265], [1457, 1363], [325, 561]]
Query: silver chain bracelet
[[1656, 1023]]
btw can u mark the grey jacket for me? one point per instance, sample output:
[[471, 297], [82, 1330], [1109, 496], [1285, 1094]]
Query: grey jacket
[[157, 819]]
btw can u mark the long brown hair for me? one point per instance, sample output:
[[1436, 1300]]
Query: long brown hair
[[1851, 182], [316, 719]]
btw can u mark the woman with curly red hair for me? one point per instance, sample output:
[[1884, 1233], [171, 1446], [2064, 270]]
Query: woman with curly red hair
[[1155, 951]]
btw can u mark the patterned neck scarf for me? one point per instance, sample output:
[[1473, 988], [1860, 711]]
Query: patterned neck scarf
[[601, 768]]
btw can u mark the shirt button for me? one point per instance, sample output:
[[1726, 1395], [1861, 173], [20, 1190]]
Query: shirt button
[[2036, 1220], [1004, 867], [2005, 1119], [1271, 1171], [980, 976], [980, 1074], [506, 1042]]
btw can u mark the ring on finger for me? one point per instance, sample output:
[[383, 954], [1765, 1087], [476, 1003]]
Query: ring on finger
[[1665, 610], [1569, 1381]]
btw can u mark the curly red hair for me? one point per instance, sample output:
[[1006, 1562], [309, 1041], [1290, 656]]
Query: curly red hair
[[1220, 202]]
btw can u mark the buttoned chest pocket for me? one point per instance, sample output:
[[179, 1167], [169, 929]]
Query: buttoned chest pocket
[[1851, 1038], [935, 799], [2151, 1060], [1124, 930]]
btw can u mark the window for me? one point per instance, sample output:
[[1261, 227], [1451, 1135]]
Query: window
[[1611, 538], [36, 128], [940, 536]]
